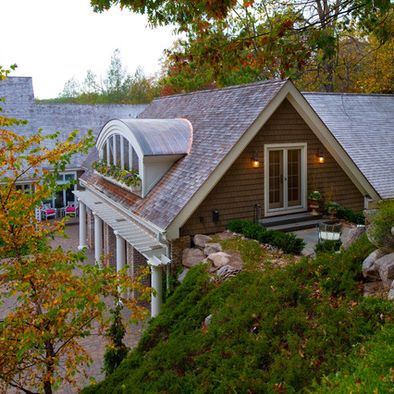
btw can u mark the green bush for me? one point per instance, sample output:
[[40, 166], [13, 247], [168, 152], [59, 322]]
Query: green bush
[[381, 224], [328, 246], [273, 331], [288, 242], [367, 370], [349, 215], [116, 350]]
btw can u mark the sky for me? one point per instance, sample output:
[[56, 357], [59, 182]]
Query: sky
[[55, 40]]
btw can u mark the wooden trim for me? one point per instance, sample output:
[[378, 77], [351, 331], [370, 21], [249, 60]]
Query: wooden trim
[[304, 179]]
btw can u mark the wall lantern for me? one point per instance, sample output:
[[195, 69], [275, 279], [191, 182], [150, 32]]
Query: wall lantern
[[215, 215], [255, 160], [320, 157]]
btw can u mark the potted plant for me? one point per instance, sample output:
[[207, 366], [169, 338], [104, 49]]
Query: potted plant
[[314, 198], [331, 207]]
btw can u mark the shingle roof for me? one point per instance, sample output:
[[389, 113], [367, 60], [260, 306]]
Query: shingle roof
[[19, 103], [364, 126], [219, 118]]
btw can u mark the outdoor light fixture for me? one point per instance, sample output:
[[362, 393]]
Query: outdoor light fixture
[[255, 160], [320, 157]]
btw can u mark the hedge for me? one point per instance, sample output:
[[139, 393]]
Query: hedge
[[288, 242]]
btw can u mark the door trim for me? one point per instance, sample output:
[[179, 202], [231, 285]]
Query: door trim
[[286, 210]]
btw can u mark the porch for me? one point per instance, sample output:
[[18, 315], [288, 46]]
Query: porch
[[119, 241]]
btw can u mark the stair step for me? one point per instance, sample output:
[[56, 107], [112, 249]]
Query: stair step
[[287, 219], [295, 226]]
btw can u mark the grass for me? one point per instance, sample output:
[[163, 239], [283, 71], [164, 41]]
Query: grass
[[254, 255]]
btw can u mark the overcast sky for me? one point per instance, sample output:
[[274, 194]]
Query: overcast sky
[[54, 40]]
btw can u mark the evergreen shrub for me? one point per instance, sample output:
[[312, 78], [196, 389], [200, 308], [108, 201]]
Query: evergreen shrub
[[288, 242], [275, 331]]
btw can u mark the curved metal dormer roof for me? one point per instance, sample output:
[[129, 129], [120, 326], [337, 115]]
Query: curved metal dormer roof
[[152, 137]]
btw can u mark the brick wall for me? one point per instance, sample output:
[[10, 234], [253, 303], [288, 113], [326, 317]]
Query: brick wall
[[242, 187], [90, 228], [109, 246]]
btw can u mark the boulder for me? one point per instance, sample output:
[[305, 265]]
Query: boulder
[[226, 272], [192, 257], [212, 248], [219, 259], [370, 270], [350, 235], [235, 260], [385, 265], [182, 275], [201, 240], [231, 258]]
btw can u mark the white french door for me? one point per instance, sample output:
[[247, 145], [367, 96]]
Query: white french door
[[284, 178]]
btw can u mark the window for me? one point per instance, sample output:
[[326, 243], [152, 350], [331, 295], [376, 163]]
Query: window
[[62, 197], [26, 187]]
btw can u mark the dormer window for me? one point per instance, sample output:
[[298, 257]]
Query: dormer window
[[138, 152]]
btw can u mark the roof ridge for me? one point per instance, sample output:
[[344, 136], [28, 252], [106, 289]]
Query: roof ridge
[[348, 94], [240, 86]]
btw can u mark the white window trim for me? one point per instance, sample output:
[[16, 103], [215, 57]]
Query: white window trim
[[304, 173]]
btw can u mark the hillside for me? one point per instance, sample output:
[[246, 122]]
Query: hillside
[[271, 330]]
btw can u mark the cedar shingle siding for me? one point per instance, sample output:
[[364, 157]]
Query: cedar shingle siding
[[243, 186]]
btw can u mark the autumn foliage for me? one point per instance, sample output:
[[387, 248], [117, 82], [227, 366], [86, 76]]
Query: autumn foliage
[[50, 298]]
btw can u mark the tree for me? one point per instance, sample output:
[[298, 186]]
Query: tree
[[252, 39], [56, 299], [118, 87]]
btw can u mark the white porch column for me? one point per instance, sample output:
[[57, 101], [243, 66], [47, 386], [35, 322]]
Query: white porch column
[[157, 265], [82, 226], [120, 252], [157, 285], [98, 239]]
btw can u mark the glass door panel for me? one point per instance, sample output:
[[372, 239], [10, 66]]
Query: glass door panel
[[294, 177], [276, 199]]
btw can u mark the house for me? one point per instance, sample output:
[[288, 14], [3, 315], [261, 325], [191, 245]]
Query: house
[[195, 161], [20, 103]]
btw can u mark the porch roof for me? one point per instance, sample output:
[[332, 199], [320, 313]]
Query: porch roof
[[146, 243]]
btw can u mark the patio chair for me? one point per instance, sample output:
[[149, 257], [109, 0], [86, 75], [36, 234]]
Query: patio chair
[[48, 212], [71, 209]]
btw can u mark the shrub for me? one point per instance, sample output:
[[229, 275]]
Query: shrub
[[273, 331], [381, 224], [116, 351], [288, 242], [349, 215], [328, 246]]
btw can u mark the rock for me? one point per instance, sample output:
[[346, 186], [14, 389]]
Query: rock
[[207, 320], [212, 248], [182, 275], [350, 235], [226, 272], [390, 296], [232, 258], [370, 270], [372, 289], [226, 235], [385, 265], [235, 260], [219, 259], [192, 257], [201, 240]]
